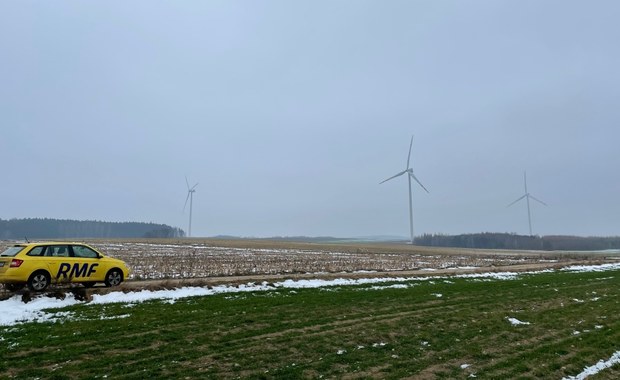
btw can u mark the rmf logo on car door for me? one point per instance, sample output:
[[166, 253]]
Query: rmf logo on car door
[[76, 270], [66, 267]]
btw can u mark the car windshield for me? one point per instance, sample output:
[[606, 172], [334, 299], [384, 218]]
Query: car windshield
[[12, 251]]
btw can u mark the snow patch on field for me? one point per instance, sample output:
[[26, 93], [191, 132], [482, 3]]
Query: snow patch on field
[[15, 311], [395, 286], [598, 367], [516, 322], [592, 268]]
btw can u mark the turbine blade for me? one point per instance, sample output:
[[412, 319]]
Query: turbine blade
[[517, 200], [394, 176], [194, 186], [187, 182], [419, 183], [186, 199], [409, 155], [538, 200]]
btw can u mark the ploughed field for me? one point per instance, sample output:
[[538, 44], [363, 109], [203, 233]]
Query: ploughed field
[[178, 259]]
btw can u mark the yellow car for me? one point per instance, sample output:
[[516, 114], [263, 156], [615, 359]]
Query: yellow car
[[39, 264]]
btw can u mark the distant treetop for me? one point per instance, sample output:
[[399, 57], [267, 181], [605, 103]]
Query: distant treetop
[[45, 228]]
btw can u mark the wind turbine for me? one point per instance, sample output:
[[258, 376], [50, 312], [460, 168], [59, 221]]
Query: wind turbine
[[190, 197], [527, 197], [410, 175]]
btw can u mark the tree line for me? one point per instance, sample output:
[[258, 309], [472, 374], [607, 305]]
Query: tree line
[[490, 240], [45, 228]]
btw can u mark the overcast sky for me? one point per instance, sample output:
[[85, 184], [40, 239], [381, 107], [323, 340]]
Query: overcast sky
[[289, 113]]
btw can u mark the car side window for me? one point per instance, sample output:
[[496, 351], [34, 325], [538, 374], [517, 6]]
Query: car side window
[[57, 251], [84, 252], [36, 251]]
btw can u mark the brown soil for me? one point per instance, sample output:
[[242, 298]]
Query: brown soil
[[258, 261]]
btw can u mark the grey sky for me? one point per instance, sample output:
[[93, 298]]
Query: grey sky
[[290, 113]]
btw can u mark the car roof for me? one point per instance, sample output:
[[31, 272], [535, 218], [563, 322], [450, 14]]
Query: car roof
[[35, 243]]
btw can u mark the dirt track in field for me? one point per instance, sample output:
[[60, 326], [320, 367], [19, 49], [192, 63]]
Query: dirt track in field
[[238, 280]]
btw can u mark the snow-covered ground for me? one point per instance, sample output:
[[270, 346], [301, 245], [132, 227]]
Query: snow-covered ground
[[516, 322], [596, 368]]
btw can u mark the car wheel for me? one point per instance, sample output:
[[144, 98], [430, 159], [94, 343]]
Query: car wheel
[[39, 281], [13, 287], [89, 284], [113, 278]]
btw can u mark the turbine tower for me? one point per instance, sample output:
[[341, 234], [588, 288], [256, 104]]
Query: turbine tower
[[190, 197], [527, 197], [410, 175]]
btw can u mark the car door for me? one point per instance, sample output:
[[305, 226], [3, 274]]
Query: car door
[[58, 258], [90, 266]]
